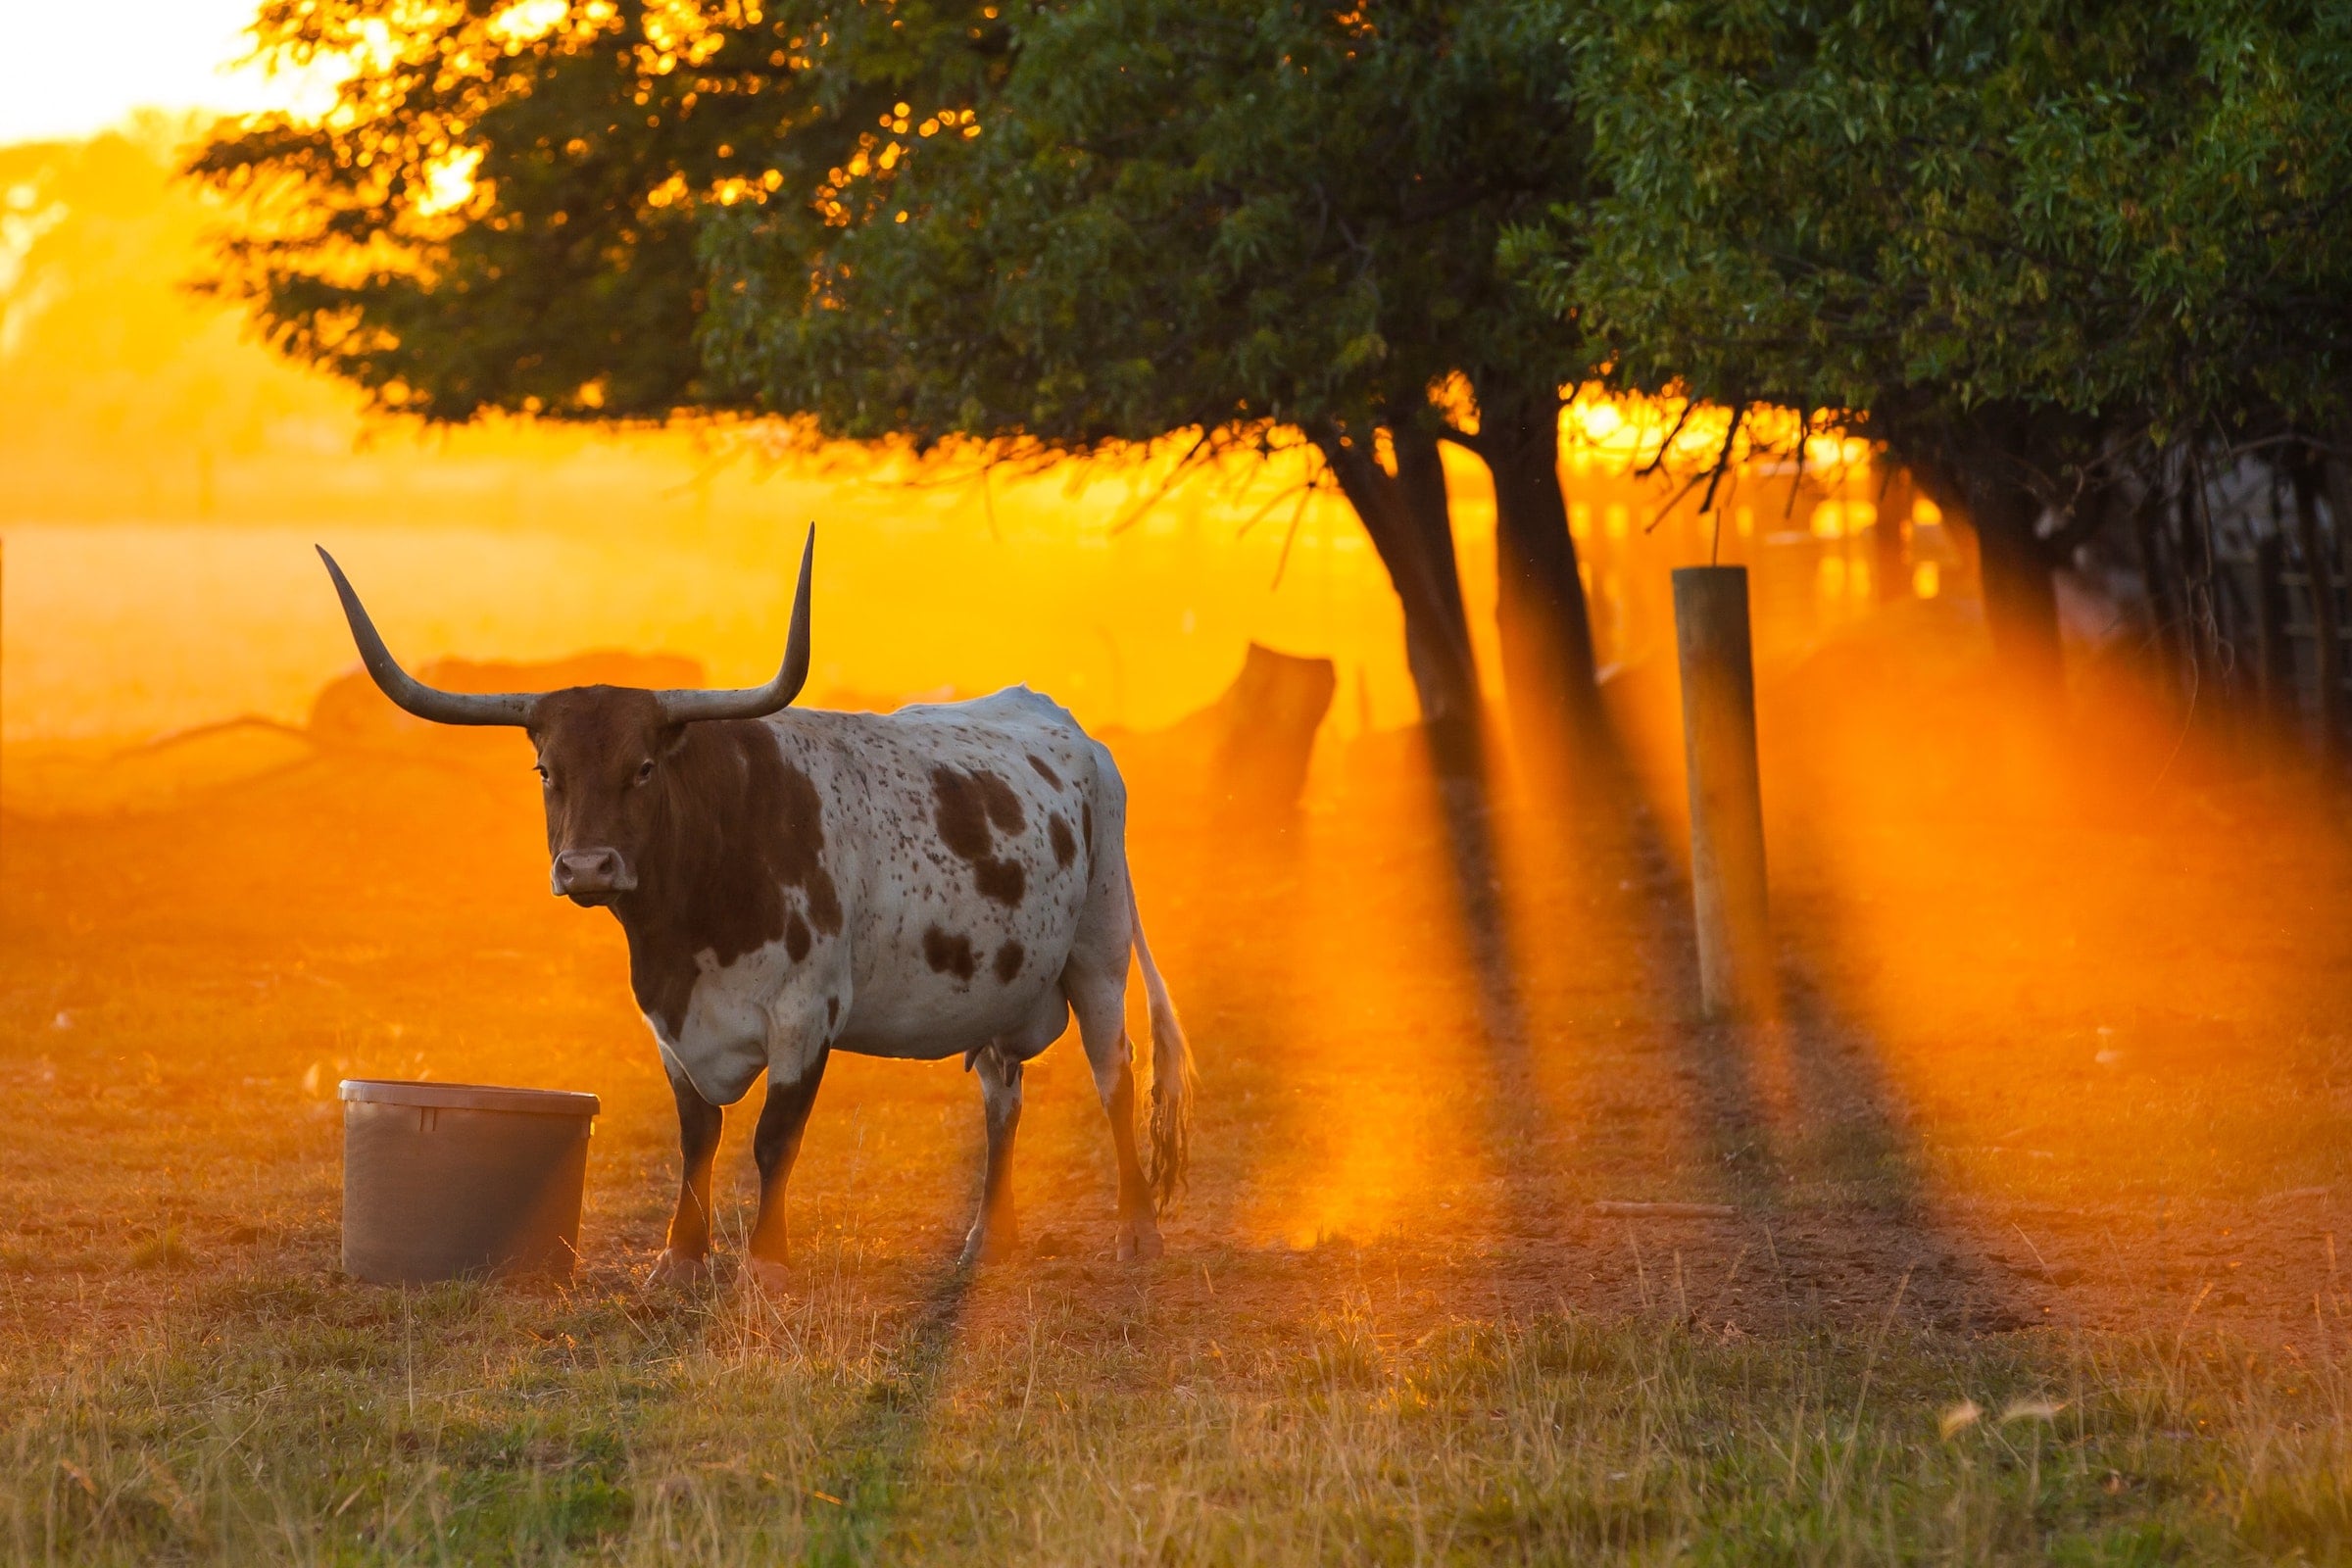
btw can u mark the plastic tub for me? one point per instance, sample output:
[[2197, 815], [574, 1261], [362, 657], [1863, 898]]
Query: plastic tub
[[441, 1181]]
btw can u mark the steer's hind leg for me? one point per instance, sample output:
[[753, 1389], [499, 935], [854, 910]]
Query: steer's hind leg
[[686, 1256], [776, 1145], [996, 1232], [1101, 1005]]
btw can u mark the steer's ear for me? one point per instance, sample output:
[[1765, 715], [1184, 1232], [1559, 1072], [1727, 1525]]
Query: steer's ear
[[668, 739]]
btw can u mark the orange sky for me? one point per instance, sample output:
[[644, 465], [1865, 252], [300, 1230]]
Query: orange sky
[[165, 473], [159, 54], [162, 475]]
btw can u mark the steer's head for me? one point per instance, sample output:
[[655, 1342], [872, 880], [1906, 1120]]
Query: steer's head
[[601, 755], [601, 749]]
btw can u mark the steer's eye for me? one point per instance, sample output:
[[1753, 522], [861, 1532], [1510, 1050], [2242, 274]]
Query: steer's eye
[[545, 777], [645, 771]]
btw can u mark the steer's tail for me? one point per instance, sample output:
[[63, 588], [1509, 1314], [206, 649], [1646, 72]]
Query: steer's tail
[[1171, 1075]]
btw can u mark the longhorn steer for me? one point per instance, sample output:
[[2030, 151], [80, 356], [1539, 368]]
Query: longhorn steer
[[946, 880]]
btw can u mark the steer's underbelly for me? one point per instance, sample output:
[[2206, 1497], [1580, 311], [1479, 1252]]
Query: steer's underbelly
[[923, 1036], [917, 1021], [912, 1005]]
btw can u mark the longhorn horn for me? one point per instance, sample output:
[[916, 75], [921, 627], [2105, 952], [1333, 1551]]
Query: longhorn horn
[[682, 706], [404, 690], [679, 705]]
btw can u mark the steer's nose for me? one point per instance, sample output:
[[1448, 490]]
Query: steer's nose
[[591, 874]]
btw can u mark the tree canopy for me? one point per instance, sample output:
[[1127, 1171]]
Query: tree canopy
[[2028, 244], [1246, 219], [2047, 251], [504, 209], [1066, 227]]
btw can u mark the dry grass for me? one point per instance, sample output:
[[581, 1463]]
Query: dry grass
[[2032, 1258], [312, 1422]]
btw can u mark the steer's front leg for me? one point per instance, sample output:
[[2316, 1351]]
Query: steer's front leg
[[775, 1144], [687, 1257]]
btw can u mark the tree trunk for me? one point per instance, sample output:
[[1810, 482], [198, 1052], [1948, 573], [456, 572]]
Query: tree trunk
[[2021, 599], [1420, 487], [2198, 580], [1540, 611], [2168, 611], [2276, 664], [1418, 552], [1979, 468], [2318, 564], [1890, 538]]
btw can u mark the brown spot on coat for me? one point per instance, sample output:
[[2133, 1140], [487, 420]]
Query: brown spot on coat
[[966, 806], [1065, 848], [1010, 957], [1043, 771], [796, 937], [962, 817], [734, 826], [949, 955], [1004, 806], [1002, 880], [799, 856]]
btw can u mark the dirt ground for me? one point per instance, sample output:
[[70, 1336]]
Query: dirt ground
[[2089, 1073], [2062, 1051]]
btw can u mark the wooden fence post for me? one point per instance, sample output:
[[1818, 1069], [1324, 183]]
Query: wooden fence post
[[1726, 807]]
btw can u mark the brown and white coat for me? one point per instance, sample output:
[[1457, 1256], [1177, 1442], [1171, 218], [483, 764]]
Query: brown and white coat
[[945, 880]]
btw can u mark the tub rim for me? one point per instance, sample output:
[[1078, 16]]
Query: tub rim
[[437, 1095]]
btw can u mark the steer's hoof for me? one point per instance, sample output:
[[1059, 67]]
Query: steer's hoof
[[765, 1275], [1139, 1241], [986, 1246], [678, 1271]]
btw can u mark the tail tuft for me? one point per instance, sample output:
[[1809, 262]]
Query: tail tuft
[[1171, 1077]]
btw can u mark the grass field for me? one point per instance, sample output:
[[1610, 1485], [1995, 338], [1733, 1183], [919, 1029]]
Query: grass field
[[2035, 1188], [1076, 1416]]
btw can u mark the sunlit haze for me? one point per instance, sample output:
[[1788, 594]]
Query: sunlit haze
[[2005, 1223], [71, 69]]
